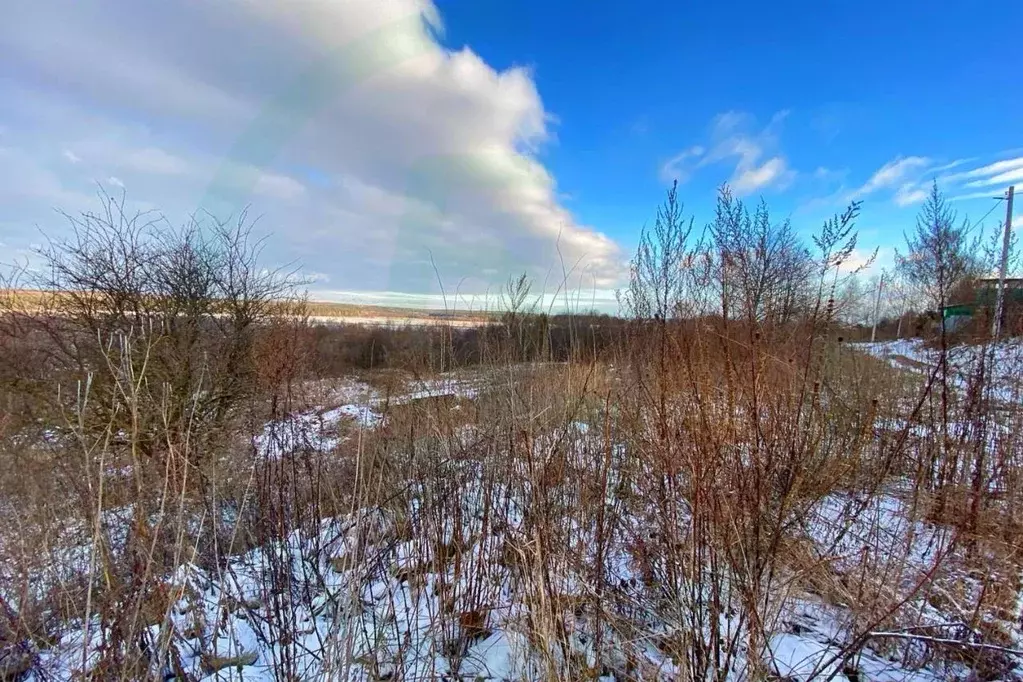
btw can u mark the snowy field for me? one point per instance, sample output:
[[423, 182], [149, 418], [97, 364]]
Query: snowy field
[[451, 582], [353, 405], [370, 604], [370, 600], [1003, 360]]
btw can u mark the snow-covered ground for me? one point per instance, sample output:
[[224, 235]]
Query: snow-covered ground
[[408, 593], [1004, 362], [399, 322], [449, 582], [363, 599], [352, 405]]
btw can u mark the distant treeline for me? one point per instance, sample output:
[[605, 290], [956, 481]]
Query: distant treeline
[[339, 349]]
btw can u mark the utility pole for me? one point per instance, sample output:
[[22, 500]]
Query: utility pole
[[877, 306], [996, 324]]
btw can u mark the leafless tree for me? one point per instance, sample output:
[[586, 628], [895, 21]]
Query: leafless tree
[[761, 268], [659, 272], [194, 298], [941, 253]]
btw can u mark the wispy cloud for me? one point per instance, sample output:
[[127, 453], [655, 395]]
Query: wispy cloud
[[827, 123], [734, 141], [992, 194], [984, 182], [774, 171], [279, 186], [986, 171], [681, 166], [640, 126], [906, 180], [893, 173], [825, 174], [951, 164], [860, 259], [155, 161], [1007, 178], [909, 194]]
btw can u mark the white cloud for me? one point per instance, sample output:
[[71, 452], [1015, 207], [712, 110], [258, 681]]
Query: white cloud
[[155, 161], [733, 140], [988, 170], [951, 164], [904, 180], [1005, 178], [71, 156], [578, 301], [364, 144], [907, 180], [774, 171], [860, 260], [676, 168], [912, 178], [909, 194], [115, 181], [975, 195], [891, 174], [985, 182], [279, 186], [27, 181]]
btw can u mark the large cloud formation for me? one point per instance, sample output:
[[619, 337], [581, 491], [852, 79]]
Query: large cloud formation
[[380, 159]]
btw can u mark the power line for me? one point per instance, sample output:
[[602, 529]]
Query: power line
[[991, 210]]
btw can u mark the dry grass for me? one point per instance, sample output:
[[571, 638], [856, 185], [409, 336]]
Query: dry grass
[[610, 501], [704, 499]]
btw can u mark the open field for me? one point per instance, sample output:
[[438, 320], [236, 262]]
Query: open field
[[200, 481], [769, 429], [532, 520], [319, 312], [325, 311]]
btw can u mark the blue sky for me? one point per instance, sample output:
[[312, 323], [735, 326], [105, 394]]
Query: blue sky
[[387, 145], [852, 87]]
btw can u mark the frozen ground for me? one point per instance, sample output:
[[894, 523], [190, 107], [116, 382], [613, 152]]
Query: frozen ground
[[375, 596], [369, 601], [352, 405], [407, 593], [397, 322], [1004, 361]]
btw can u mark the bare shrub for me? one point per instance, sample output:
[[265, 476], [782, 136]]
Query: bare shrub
[[705, 490]]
